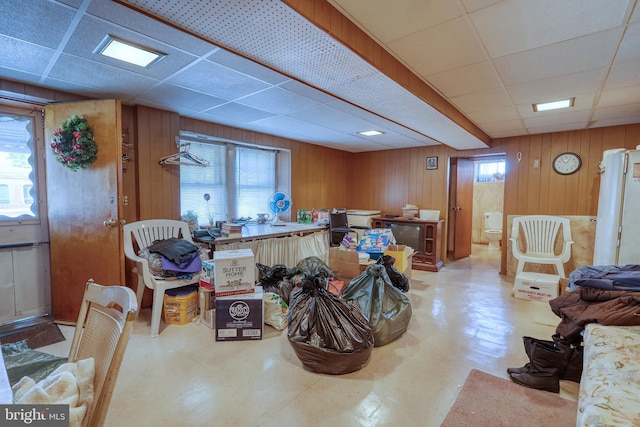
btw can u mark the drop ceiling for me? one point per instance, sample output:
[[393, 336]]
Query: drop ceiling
[[260, 66]]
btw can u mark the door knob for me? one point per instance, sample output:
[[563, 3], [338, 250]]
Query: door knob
[[110, 223]]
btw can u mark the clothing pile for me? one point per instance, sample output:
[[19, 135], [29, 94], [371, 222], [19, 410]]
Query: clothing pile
[[608, 295], [173, 257]]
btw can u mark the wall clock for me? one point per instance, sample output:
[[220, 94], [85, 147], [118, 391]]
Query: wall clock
[[567, 163]]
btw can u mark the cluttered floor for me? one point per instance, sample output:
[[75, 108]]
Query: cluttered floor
[[464, 318]]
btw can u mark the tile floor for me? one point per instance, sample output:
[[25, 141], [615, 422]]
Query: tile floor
[[464, 317]]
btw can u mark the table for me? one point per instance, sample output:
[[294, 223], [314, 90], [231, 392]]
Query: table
[[283, 244], [254, 231], [6, 395]]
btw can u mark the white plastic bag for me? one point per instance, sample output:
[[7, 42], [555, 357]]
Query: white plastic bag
[[276, 311]]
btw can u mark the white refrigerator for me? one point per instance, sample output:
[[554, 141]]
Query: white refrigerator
[[617, 239]]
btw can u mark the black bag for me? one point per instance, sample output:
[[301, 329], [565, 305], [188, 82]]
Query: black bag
[[275, 279], [388, 309], [399, 280], [328, 334]]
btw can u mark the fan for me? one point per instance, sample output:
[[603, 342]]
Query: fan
[[279, 202]]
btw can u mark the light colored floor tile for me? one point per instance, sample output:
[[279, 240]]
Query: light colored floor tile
[[464, 317]]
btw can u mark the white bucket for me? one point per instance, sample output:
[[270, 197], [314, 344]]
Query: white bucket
[[429, 215]]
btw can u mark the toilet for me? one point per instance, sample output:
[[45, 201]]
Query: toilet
[[493, 229]]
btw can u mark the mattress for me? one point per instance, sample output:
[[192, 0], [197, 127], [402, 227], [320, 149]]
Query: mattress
[[610, 383]]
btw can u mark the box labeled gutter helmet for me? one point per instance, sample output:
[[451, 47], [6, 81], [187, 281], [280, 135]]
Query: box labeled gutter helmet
[[240, 317], [234, 272]]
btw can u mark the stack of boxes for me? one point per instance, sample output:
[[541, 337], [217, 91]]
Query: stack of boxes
[[231, 303]]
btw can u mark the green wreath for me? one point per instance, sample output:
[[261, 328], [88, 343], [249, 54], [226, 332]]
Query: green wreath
[[73, 144]]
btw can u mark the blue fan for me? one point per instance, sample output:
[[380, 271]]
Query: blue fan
[[279, 202]]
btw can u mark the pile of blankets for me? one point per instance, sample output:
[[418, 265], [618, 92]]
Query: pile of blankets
[[70, 384], [608, 295]]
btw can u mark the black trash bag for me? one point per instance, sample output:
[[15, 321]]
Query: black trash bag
[[399, 280], [22, 361], [311, 266], [388, 309], [328, 334], [274, 279]]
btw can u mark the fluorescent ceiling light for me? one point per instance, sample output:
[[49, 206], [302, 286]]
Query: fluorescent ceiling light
[[544, 106], [370, 132], [128, 52]]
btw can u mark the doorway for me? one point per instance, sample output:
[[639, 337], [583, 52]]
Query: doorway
[[25, 294], [476, 188]]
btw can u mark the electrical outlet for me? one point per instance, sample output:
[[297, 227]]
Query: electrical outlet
[[536, 163]]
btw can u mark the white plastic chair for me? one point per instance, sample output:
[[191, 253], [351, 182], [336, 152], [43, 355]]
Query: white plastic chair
[[539, 233], [102, 331], [145, 233]]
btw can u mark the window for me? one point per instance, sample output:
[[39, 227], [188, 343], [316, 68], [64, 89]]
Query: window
[[237, 183], [17, 173], [489, 170]]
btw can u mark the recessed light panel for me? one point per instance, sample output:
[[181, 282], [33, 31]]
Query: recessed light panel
[[128, 52], [371, 132], [544, 106]]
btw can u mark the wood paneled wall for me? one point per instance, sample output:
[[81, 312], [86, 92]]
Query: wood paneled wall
[[319, 176]]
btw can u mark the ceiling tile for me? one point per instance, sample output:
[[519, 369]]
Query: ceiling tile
[[490, 115], [24, 57], [553, 120], [277, 101], [248, 67], [473, 5], [555, 88], [626, 74], [507, 27], [476, 77], [219, 81], [621, 96], [181, 97], [42, 23], [481, 100], [91, 32], [585, 53], [102, 79], [442, 47], [629, 49], [389, 22], [238, 113]]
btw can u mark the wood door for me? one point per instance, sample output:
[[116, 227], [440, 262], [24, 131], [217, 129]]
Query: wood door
[[462, 207], [80, 203]]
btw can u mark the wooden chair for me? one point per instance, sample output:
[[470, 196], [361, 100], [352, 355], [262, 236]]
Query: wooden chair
[[143, 234], [103, 329], [538, 235]]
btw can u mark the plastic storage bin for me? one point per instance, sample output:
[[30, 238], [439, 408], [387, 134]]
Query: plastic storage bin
[[180, 305]]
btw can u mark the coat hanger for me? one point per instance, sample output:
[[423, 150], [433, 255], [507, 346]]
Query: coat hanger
[[184, 157]]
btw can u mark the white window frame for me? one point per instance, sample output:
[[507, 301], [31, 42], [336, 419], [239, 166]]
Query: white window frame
[[282, 170]]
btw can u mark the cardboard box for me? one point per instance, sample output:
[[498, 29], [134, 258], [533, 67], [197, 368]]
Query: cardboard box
[[402, 255], [234, 272], [240, 317], [180, 305], [207, 305], [536, 286], [206, 275], [344, 263], [376, 240]]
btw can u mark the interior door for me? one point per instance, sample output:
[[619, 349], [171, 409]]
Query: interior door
[[461, 215], [84, 208]]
